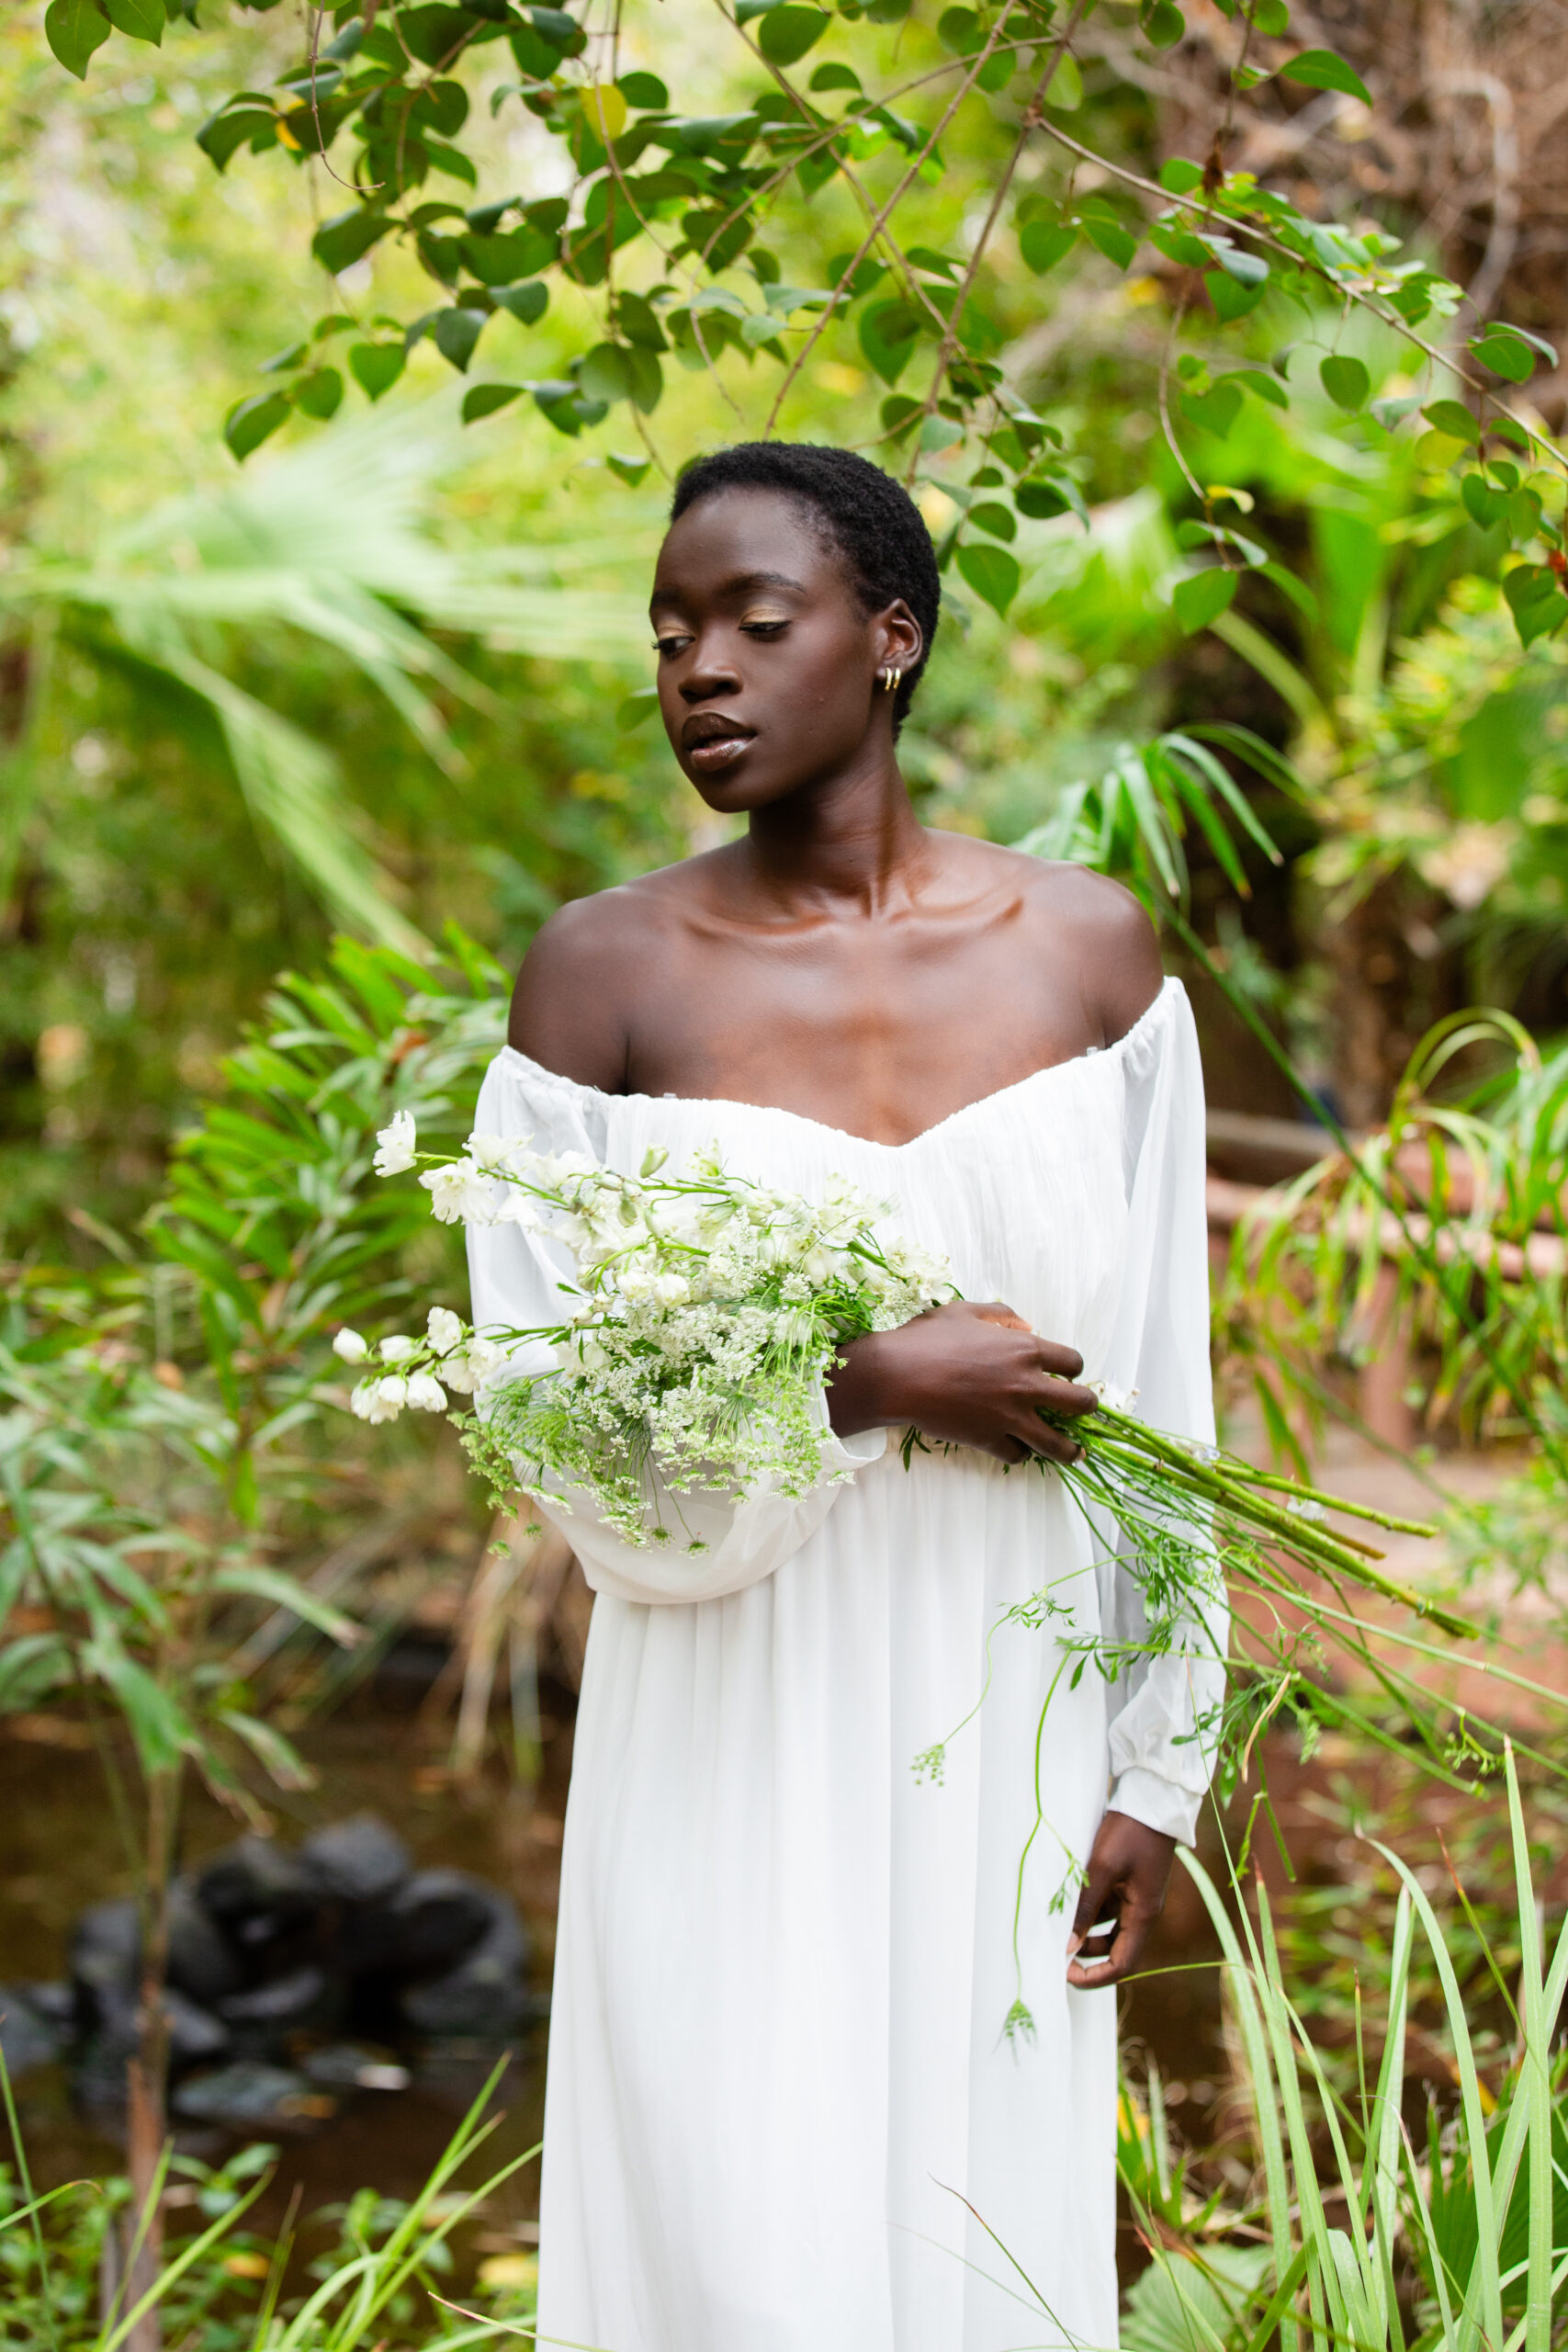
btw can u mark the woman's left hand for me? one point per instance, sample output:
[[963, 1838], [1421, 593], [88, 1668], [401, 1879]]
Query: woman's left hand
[[1129, 1871]]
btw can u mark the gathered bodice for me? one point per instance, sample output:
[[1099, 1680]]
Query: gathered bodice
[[1025, 1191]]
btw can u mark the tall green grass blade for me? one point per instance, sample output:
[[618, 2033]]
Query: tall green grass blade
[[1535, 2081], [1254, 2042]]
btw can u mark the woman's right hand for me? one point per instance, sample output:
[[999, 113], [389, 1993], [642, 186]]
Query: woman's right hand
[[965, 1373]]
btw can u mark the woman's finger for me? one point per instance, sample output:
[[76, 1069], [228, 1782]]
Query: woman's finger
[[1064, 1362], [1066, 1397]]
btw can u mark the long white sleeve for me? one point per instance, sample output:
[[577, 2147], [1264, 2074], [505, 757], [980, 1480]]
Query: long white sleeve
[[516, 1280], [1161, 1759]]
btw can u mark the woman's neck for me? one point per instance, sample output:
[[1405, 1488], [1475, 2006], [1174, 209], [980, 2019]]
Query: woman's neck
[[855, 841]]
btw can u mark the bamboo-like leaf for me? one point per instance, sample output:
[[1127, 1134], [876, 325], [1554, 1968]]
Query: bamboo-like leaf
[[282, 1759], [280, 1591]]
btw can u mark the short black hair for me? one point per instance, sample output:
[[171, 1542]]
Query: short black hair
[[869, 519]]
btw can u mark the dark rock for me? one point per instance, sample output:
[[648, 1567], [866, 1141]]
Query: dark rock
[[431, 1921], [195, 2034], [57, 2002], [283, 2004], [440, 1916], [28, 2037], [105, 1950], [202, 1962], [247, 2093], [256, 1889], [360, 1860], [349, 2065], [483, 1995]]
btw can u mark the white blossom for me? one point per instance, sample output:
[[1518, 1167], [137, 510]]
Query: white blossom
[[397, 1347], [425, 1393], [443, 1329], [395, 1142], [371, 1401], [349, 1347], [460, 1193]]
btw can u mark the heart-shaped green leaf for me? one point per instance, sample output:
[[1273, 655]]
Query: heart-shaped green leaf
[[887, 336], [1346, 382], [606, 374], [1230, 298], [786, 33], [1483, 504], [639, 706], [455, 333], [528, 303], [1450, 418], [1200, 599], [1506, 353], [1043, 243], [375, 367], [993, 575], [1161, 23], [249, 422], [993, 516], [319, 394], [348, 237], [1535, 600]]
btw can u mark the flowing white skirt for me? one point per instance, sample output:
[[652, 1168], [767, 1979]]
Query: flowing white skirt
[[783, 2113]]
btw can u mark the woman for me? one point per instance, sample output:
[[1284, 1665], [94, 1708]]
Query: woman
[[783, 2111]]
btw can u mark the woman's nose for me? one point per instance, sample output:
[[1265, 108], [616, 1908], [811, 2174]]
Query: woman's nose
[[708, 673]]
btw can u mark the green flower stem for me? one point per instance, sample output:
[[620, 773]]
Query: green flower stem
[[1135, 1448]]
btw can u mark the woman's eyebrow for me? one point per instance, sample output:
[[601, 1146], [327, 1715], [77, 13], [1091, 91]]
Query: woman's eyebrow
[[746, 580], [743, 584]]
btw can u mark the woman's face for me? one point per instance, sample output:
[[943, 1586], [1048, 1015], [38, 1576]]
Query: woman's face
[[767, 663]]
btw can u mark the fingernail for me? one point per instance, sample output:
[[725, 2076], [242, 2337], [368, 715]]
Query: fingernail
[[1074, 1941]]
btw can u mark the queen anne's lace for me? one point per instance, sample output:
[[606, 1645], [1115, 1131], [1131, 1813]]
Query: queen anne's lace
[[703, 1323]]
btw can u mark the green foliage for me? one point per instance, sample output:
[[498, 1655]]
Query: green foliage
[[387, 2267], [1350, 2230], [700, 223], [1463, 1201]]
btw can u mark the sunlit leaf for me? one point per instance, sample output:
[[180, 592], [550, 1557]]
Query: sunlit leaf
[[1346, 380], [1319, 69], [73, 29], [319, 393], [786, 33], [375, 367], [887, 336], [993, 575], [1200, 599], [483, 400], [1043, 243], [250, 422], [142, 20]]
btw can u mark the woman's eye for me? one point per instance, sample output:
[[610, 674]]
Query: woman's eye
[[670, 646], [762, 628]]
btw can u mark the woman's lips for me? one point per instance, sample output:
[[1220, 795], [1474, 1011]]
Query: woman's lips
[[717, 751]]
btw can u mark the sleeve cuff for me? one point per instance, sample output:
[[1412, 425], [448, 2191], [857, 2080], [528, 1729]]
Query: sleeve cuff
[[1158, 1805]]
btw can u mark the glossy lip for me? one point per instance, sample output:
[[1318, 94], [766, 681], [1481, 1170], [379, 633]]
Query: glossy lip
[[711, 741]]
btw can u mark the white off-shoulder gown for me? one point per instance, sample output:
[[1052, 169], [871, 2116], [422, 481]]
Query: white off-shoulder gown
[[781, 2113]]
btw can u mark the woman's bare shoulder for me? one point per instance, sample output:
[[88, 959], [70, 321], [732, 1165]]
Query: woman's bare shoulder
[[1091, 922], [578, 983]]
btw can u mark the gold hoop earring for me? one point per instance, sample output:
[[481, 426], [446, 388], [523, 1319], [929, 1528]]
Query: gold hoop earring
[[891, 680]]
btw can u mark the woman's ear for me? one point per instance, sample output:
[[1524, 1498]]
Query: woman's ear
[[902, 641]]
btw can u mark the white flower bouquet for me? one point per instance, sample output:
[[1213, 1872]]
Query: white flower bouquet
[[705, 1315]]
